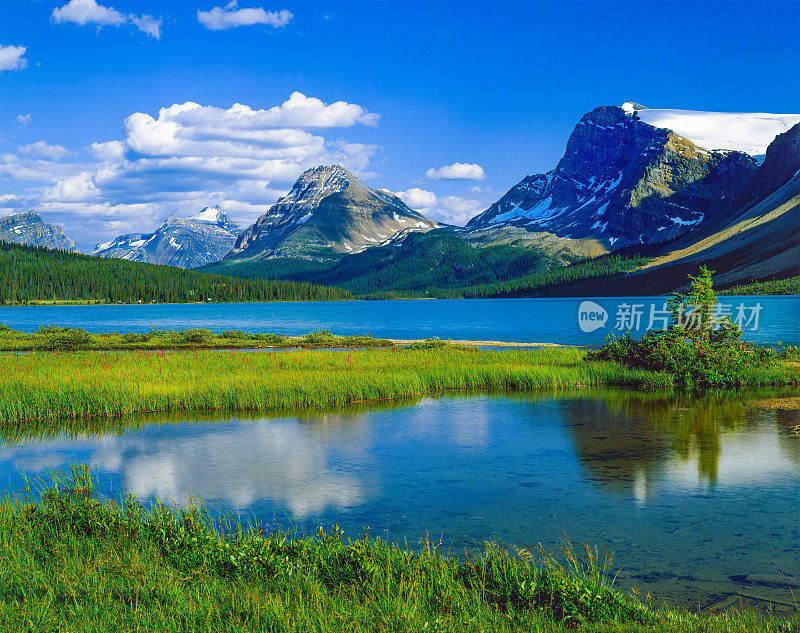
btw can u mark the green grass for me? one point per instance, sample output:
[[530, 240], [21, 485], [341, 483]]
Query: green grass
[[72, 385], [68, 338], [75, 563]]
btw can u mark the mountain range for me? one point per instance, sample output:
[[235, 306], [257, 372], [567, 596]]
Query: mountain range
[[182, 242], [29, 228], [681, 187]]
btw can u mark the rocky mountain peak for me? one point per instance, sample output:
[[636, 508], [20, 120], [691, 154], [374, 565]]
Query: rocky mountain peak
[[212, 215], [622, 181], [202, 238], [781, 165], [29, 228], [328, 210], [782, 160]]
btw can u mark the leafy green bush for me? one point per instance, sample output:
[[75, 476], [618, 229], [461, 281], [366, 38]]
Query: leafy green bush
[[700, 351], [428, 343], [136, 337], [195, 336], [64, 338], [320, 337]]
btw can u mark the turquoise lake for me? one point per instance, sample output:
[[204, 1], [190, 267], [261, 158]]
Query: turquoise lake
[[696, 496], [691, 494], [523, 320]]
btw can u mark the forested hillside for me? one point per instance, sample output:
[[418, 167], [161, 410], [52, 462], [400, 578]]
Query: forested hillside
[[437, 265], [31, 274], [425, 264]]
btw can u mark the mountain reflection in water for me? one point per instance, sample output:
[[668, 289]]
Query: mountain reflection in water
[[688, 491]]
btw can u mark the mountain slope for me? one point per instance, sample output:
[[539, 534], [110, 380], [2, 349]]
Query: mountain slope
[[328, 212], [183, 242], [423, 263], [30, 228], [622, 182], [757, 237]]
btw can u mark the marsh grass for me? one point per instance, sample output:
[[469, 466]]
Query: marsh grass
[[74, 562], [58, 338], [88, 384], [78, 384]]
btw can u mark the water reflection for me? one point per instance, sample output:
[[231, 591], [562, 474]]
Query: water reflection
[[688, 491], [626, 441]]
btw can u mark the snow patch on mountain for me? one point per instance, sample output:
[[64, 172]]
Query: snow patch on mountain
[[208, 214], [748, 132], [202, 238]]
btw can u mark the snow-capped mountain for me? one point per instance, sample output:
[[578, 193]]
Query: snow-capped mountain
[[329, 211], [622, 181], [183, 242], [30, 228], [756, 237], [748, 132]]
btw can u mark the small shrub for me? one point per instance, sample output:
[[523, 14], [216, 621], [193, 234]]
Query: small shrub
[[428, 343], [707, 352], [195, 336], [136, 337], [237, 334], [790, 352], [320, 337], [64, 338]]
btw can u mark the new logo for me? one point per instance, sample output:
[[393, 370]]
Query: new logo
[[591, 316]]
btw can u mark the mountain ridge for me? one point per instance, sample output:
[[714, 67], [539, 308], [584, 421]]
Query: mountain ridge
[[622, 181], [328, 212], [202, 238], [29, 228]]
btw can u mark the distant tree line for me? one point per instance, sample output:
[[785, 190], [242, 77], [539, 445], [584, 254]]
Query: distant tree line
[[547, 281], [31, 273]]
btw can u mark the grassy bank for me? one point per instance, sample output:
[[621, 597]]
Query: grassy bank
[[55, 338], [45, 385], [71, 562]]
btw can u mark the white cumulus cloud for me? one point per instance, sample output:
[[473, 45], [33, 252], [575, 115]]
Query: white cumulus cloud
[[110, 150], [447, 209], [24, 119], [83, 12], [220, 19], [147, 24], [11, 57], [418, 199], [79, 188], [457, 171], [184, 157], [41, 149]]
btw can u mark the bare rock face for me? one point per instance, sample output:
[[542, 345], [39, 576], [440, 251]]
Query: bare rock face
[[29, 228], [781, 164], [623, 181], [754, 237], [328, 212], [182, 242]]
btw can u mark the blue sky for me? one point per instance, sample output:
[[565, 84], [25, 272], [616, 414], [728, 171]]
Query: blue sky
[[495, 86]]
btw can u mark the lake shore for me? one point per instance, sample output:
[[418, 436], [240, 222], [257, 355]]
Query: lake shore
[[89, 384], [76, 562], [56, 338]]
